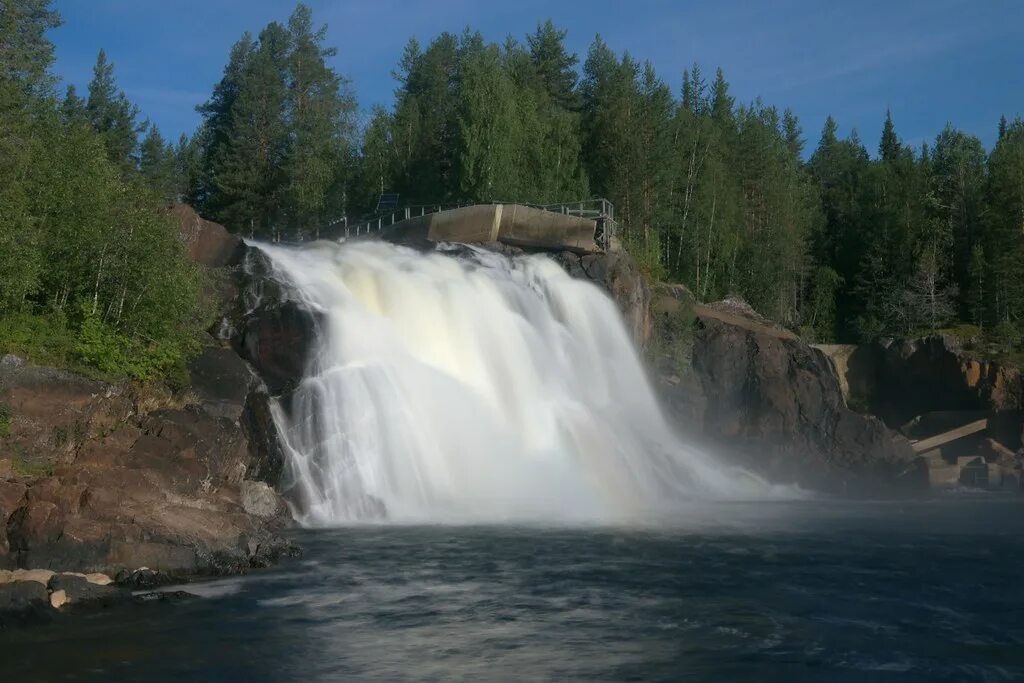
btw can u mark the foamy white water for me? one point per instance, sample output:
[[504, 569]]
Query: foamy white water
[[478, 388]]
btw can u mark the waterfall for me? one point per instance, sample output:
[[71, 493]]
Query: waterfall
[[464, 385]]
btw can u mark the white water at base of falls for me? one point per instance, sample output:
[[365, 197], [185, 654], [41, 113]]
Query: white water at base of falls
[[474, 387]]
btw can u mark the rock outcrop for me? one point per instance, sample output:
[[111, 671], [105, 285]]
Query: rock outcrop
[[617, 273], [104, 478], [756, 394], [919, 376], [208, 243]]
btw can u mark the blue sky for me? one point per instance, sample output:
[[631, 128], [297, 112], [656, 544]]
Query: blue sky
[[930, 62]]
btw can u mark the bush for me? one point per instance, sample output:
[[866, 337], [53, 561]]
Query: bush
[[92, 348], [118, 355]]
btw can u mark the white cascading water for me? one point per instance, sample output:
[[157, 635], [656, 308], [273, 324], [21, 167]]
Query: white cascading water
[[475, 388]]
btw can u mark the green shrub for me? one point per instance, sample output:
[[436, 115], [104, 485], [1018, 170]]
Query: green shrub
[[92, 348]]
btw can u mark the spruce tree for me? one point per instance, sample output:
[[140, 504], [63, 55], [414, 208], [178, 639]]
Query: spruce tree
[[1004, 228], [318, 107], [555, 66], [247, 171], [889, 147], [156, 164], [212, 139], [793, 134], [112, 115], [956, 199], [73, 110]]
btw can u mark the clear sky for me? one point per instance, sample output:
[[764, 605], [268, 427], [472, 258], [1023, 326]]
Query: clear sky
[[929, 61]]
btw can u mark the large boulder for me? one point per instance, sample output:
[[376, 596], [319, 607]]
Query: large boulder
[[759, 396], [206, 242], [268, 326], [23, 602]]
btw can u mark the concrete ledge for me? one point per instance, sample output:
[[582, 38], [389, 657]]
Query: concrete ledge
[[477, 223], [525, 226]]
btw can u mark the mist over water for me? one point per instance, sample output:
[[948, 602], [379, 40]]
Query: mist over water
[[470, 386]]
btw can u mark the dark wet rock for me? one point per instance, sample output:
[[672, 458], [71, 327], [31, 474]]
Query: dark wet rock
[[24, 602], [164, 597], [278, 340], [222, 381], [266, 454], [617, 273], [80, 593], [752, 392], [270, 329], [143, 579]]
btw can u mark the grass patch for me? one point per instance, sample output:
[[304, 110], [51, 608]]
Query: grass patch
[[24, 468]]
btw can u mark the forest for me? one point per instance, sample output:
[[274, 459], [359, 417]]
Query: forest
[[838, 239]]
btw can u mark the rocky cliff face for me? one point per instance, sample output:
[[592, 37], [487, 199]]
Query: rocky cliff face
[[754, 393], [616, 272], [100, 477], [918, 376]]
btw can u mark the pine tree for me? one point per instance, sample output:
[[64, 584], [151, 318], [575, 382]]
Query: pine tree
[[426, 126], [1002, 127], [721, 101], [188, 168], [25, 52], [112, 115]]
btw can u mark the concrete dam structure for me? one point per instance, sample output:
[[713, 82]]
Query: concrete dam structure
[[583, 227]]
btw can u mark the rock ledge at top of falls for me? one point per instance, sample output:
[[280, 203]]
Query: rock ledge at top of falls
[[753, 392]]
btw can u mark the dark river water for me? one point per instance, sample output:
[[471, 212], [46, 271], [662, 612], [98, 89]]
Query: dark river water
[[772, 592]]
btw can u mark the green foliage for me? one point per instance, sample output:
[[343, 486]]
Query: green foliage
[[92, 273], [112, 115], [277, 135], [157, 164], [115, 354]]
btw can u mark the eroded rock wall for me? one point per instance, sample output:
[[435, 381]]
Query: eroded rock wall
[[755, 394]]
